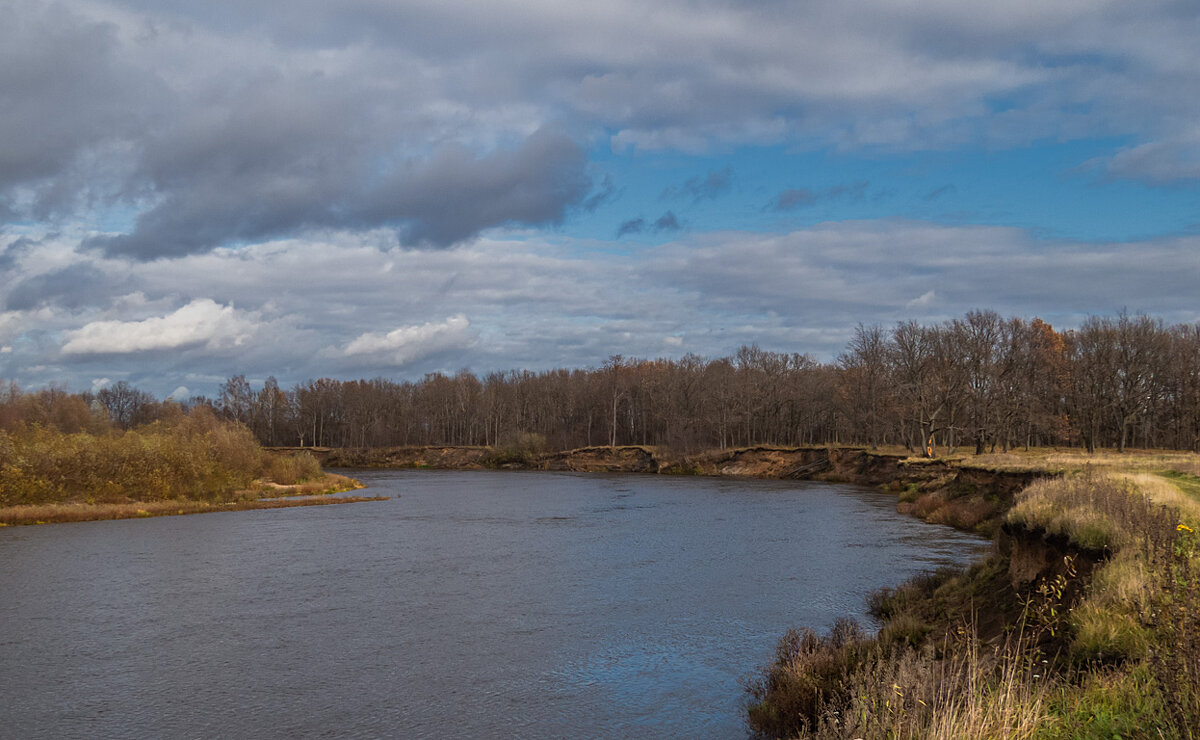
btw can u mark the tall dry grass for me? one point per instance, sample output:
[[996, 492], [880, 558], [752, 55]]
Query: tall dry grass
[[1095, 510], [848, 685], [292, 468]]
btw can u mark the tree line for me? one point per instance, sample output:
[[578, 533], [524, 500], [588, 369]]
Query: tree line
[[980, 382]]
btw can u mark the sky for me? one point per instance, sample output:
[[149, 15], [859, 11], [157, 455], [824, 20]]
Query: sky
[[190, 191]]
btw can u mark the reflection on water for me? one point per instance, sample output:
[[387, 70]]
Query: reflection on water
[[472, 604]]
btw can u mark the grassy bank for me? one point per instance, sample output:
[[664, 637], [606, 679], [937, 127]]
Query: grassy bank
[[1084, 623], [183, 464], [82, 512]]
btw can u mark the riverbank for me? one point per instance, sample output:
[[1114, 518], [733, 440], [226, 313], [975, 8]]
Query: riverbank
[[1082, 623], [262, 495], [955, 491]]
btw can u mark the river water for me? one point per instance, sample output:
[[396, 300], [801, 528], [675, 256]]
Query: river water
[[470, 605]]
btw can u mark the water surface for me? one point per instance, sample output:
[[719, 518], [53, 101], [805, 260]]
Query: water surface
[[472, 604]]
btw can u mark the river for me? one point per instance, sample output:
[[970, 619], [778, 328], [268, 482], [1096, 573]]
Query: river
[[470, 605]]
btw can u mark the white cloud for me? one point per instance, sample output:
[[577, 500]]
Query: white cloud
[[923, 300], [201, 322], [331, 307], [408, 343]]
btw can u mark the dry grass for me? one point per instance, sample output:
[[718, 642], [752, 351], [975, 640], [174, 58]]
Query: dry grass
[[291, 468], [1095, 510], [60, 513], [325, 484], [1054, 460], [264, 495], [846, 685]]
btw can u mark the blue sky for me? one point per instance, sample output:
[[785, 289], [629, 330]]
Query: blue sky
[[393, 187], [1046, 187]]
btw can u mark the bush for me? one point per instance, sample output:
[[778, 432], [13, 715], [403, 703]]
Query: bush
[[808, 674], [289, 470], [196, 456], [519, 449]]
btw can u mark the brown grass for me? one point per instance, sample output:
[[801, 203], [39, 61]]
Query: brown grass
[[1055, 460], [292, 468], [60, 513], [264, 495], [847, 685], [325, 484]]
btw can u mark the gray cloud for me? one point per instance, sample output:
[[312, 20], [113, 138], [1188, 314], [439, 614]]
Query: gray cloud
[[72, 287], [713, 185], [440, 201], [222, 122], [605, 192], [794, 198], [72, 98], [666, 222], [1158, 162], [323, 140], [632, 226], [455, 194]]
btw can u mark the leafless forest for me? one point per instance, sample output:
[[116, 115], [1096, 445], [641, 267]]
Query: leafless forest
[[978, 383]]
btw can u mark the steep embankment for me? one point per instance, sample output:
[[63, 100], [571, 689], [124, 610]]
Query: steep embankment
[[939, 491]]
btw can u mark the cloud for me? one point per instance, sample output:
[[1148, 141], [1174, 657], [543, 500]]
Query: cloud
[[1158, 162], [794, 198], [182, 127], [923, 300], [632, 226], [408, 343], [666, 222], [939, 192], [836, 274], [201, 322], [73, 286], [713, 185], [539, 302], [605, 192], [445, 199]]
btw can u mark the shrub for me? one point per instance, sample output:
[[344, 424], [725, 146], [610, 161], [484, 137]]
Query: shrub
[[291, 469], [519, 449], [196, 456], [808, 673]]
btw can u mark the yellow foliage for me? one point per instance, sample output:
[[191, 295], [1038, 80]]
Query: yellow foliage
[[195, 456]]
